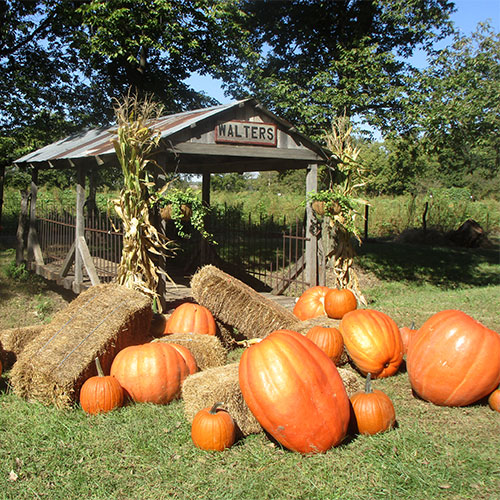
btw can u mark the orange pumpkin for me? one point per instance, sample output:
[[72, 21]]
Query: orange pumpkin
[[494, 400], [373, 410], [150, 373], [373, 342], [328, 340], [295, 392], [187, 355], [213, 429], [191, 318], [454, 360], [100, 394], [311, 303], [339, 302], [407, 335]]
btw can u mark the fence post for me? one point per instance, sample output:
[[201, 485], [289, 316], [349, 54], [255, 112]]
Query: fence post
[[366, 222], [311, 252]]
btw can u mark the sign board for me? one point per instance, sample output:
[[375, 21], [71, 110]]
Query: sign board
[[238, 132]]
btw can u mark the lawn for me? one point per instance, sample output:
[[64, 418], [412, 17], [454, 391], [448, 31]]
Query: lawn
[[143, 451]]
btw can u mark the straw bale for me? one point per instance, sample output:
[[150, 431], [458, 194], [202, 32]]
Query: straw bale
[[205, 388], [207, 350], [98, 323], [15, 339], [353, 382], [236, 304]]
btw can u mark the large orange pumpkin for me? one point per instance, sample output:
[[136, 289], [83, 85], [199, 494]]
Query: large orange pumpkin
[[150, 373], [373, 342], [295, 392], [328, 340], [339, 302], [311, 303], [454, 360], [187, 355], [191, 318]]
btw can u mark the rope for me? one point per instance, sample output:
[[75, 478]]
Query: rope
[[65, 324], [91, 332]]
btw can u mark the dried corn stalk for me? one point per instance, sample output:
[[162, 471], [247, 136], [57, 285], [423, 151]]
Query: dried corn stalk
[[143, 244]]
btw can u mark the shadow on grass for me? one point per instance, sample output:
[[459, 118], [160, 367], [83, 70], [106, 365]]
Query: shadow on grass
[[444, 266]]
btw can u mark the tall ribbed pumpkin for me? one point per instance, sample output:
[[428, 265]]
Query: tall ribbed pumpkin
[[150, 373], [295, 392], [373, 342], [191, 318], [453, 360]]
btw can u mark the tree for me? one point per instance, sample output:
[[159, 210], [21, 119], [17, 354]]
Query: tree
[[454, 106], [317, 60]]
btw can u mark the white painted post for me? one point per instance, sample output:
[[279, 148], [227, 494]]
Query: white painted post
[[311, 257]]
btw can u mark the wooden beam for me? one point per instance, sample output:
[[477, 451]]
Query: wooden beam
[[311, 252], [34, 250], [79, 224], [87, 261], [68, 261]]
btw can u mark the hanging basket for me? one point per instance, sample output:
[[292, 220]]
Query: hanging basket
[[322, 208], [166, 212]]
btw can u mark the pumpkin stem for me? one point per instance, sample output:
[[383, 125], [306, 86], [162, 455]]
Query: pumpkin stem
[[99, 367], [412, 326], [368, 383], [213, 410]]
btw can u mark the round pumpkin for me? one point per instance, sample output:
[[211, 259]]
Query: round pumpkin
[[407, 335], [311, 303], [101, 393], [373, 410], [494, 400], [191, 318], [328, 340], [150, 373], [213, 429], [373, 342], [187, 355], [339, 302], [454, 360], [295, 392]]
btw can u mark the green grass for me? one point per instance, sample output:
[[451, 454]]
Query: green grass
[[145, 452]]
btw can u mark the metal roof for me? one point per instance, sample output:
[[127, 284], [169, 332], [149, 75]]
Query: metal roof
[[98, 142]]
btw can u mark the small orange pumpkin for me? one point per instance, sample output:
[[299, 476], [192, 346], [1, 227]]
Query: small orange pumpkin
[[339, 302], [494, 400], [191, 318], [373, 410], [213, 429], [373, 342], [311, 303], [100, 394], [150, 373], [407, 335], [329, 340]]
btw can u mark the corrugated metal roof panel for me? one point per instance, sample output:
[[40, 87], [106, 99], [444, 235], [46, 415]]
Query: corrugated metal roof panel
[[98, 141]]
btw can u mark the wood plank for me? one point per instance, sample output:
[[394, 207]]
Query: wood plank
[[87, 261]]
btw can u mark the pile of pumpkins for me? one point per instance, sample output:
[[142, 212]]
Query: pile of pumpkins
[[290, 381]]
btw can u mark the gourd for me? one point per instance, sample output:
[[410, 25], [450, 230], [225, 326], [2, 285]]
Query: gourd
[[339, 302], [454, 360], [311, 303], [373, 342], [150, 373], [373, 410], [213, 429], [191, 318], [101, 393], [328, 340], [295, 392]]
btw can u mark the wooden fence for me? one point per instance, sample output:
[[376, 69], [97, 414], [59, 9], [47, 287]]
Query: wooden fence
[[264, 252]]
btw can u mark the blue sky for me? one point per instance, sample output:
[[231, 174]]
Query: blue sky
[[468, 14]]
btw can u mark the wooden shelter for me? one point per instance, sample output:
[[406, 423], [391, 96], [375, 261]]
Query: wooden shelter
[[239, 137]]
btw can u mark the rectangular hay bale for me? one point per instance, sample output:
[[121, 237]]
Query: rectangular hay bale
[[15, 339], [100, 322]]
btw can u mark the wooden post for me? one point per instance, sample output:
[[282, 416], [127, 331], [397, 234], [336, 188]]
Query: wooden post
[[79, 228], [21, 228], [34, 250], [366, 222], [205, 199], [311, 252], [2, 181]]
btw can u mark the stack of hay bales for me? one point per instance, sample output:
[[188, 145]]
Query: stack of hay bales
[[98, 323], [237, 306]]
